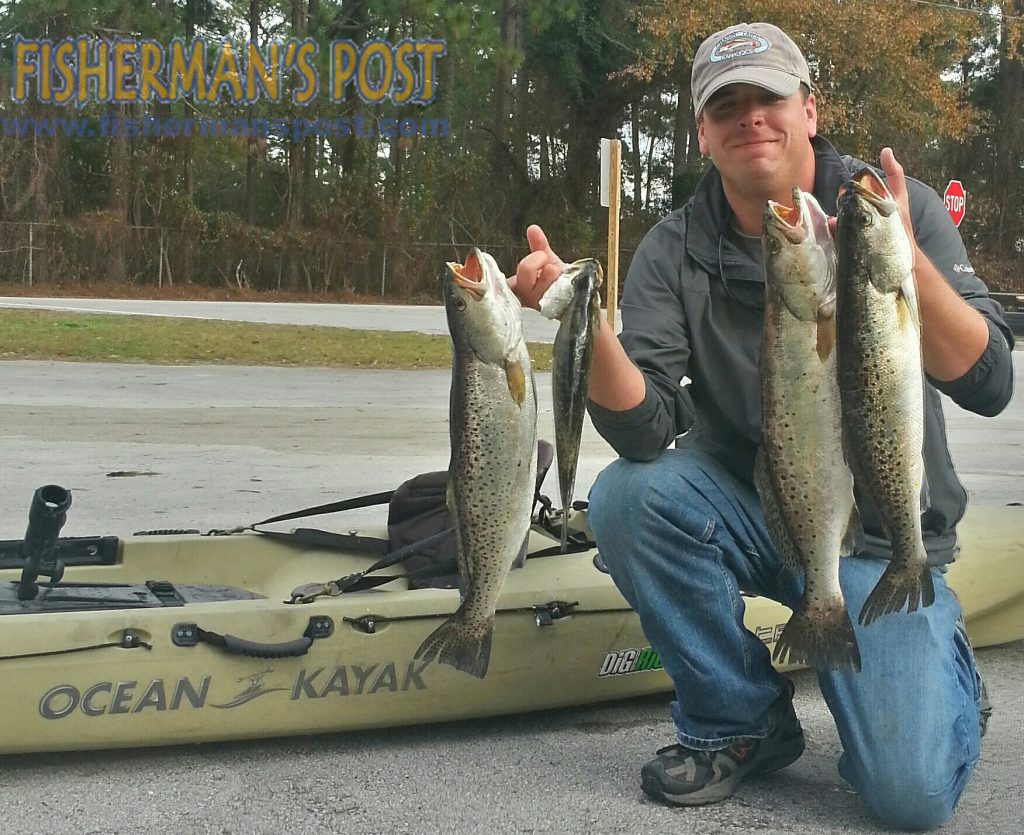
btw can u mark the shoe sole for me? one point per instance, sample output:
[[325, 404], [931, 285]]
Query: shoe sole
[[781, 757]]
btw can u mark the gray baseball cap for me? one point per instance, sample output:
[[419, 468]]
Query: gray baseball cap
[[748, 53]]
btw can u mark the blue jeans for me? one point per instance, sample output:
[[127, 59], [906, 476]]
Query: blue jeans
[[682, 538]]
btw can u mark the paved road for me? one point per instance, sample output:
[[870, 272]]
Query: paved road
[[418, 318], [215, 446]]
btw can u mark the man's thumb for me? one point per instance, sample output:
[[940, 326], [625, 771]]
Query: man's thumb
[[537, 240]]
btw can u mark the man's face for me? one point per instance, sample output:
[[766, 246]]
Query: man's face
[[755, 137]]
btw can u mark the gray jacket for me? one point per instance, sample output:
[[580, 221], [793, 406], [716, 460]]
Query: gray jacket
[[692, 307]]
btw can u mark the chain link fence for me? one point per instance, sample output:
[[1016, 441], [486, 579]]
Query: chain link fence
[[221, 252]]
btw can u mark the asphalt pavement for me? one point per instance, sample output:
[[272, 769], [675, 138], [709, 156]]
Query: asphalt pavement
[[428, 319], [160, 447]]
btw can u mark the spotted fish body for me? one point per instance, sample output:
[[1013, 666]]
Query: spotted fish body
[[805, 486], [881, 384], [492, 471], [573, 352]]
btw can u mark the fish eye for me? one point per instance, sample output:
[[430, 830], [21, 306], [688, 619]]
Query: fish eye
[[460, 303], [774, 247], [864, 219]]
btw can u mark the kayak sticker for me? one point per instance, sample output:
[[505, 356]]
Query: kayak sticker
[[255, 689], [622, 662], [108, 698], [357, 680]]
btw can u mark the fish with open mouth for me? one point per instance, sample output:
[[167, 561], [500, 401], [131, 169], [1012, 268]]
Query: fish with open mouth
[[881, 383], [805, 485], [493, 465]]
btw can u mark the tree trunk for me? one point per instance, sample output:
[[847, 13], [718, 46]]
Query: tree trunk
[[650, 174], [521, 104], [45, 152], [310, 145], [355, 30], [187, 141], [683, 118], [685, 153], [503, 77], [293, 189], [446, 98], [583, 153], [1009, 135], [117, 194], [252, 146], [545, 164], [635, 156]]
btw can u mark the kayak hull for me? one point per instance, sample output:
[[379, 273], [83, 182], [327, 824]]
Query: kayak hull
[[131, 677]]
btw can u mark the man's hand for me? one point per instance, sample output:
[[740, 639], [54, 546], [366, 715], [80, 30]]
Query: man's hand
[[537, 271], [615, 382], [953, 334]]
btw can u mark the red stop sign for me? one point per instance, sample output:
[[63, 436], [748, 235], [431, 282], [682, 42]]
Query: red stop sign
[[955, 199]]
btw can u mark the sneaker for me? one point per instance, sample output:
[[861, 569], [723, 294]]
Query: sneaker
[[681, 776]]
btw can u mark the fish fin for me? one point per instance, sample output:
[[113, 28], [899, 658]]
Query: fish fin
[[826, 329], [462, 564], [594, 319], [926, 491], [902, 584], [520, 559], [827, 305], [850, 417], [460, 643], [515, 377], [819, 637], [773, 516], [853, 539], [906, 304]]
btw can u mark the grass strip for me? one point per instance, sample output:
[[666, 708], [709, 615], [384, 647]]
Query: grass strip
[[164, 340]]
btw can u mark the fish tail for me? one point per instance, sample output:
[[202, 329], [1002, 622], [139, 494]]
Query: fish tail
[[903, 584], [461, 643], [819, 637]]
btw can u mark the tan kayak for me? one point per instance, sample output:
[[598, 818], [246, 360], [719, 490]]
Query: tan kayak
[[89, 666]]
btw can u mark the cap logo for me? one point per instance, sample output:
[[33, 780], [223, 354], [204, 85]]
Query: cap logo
[[738, 44]]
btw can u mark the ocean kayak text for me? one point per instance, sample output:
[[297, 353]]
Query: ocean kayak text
[[108, 698]]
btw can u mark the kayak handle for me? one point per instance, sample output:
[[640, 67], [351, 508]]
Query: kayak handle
[[190, 634]]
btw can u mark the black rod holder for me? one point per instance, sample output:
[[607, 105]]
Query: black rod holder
[[46, 516]]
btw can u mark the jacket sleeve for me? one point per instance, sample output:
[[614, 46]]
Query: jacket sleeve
[[655, 337], [987, 386]]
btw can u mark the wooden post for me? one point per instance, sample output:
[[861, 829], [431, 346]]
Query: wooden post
[[612, 276]]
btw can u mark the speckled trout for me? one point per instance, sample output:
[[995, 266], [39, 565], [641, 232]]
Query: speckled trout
[[805, 486], [492, 471], [881, 383], [572, 354]]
